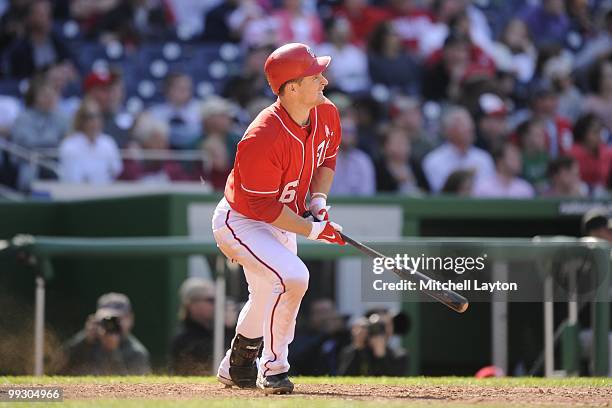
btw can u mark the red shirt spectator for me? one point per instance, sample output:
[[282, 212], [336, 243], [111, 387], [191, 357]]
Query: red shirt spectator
[[362, 17], [594, 158]]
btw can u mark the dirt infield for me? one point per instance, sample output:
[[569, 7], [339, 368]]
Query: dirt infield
[[472, 395]]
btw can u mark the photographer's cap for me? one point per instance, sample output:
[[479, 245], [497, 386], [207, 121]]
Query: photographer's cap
[[195, 288], [115, 301], [595, 219]]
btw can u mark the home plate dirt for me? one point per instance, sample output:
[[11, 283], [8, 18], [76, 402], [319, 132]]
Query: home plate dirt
[[469, 394]]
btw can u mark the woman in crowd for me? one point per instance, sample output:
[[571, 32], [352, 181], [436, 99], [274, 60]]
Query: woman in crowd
[[88, 155]]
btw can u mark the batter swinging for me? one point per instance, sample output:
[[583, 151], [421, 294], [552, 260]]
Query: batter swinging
[[287, 151]]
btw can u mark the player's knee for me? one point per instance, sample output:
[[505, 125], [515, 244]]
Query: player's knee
[[297, 280]]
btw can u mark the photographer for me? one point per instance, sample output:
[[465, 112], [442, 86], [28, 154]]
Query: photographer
[[191, 351], [370, 353], [106, 345]]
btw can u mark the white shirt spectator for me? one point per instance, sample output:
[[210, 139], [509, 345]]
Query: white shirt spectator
[[190, 113], [442, 161], [82, 161], [495, 186], [350, 68], [354, 174]]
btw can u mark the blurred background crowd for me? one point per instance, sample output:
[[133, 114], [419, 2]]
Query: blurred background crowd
[[484, 98], [326, 342]]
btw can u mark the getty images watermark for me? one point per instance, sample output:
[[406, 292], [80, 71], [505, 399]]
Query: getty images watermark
[[458, 265], [490, 271]]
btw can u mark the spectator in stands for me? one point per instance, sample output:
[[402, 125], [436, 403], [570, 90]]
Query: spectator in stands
[[547, 21], [564, 176], [491, 122], [253, 25], [412, 22], [460, 16], [598, 47], [216, 23], [599, 100], [558, 70], [544, 106], [362, 17], [505, 183], [515, 51], [405, 112], [11, 109], [296, 23], [597, 223], [191, 350], [393, 172], [133, 21], [107, 89], [180, 110], [151, 135], [89, 13], [217, 165], [251, 82], [369, 353], [593, 156], [88, 155], [349, 73], [458, 152], [40, 125], [316, 349], [442, 77], [107, 346], [63, 78], [355, 173], [459, 182], [40, 47], [532, 140], [12, 23], [217, 115], [189, 15], [389, 63]]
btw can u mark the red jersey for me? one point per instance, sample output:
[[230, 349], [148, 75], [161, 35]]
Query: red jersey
[[276, 160]]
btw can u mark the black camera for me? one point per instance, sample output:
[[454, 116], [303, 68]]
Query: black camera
[[376, 326], [110, 325]]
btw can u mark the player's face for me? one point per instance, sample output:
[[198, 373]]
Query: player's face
[[311, 90]]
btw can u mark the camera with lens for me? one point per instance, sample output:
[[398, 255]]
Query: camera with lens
[[376, 325], [110, 324]]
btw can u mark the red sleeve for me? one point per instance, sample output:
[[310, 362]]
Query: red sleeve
[[260, 175], [334, 145], [266, 209]]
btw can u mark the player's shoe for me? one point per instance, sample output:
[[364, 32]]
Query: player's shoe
[[275, 384], [225, 380]]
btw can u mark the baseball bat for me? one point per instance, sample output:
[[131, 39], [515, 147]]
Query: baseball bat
[[448, 297]]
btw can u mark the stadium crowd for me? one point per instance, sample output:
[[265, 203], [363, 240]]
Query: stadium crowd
[[482, 98]]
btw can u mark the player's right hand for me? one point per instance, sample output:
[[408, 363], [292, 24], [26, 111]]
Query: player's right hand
[[326, 231]]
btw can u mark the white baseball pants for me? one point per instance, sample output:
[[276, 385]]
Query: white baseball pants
[[277, 281]]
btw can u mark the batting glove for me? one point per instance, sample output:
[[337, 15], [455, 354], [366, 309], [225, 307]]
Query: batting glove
[[327, 232], [318, 207]]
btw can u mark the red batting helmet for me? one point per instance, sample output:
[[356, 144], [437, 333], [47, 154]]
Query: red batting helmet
[[292, 61]]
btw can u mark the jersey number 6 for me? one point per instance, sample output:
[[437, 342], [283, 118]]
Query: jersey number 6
[[288, 194]]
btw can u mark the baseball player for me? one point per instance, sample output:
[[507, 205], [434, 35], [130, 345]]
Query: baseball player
[[288, 151]]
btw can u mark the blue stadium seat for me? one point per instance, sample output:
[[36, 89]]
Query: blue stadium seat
[[10, 87]]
